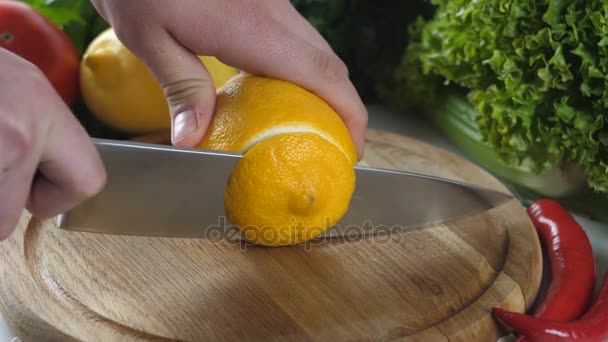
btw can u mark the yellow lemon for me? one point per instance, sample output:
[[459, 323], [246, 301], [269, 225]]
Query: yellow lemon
[[296, 177], [122, 93]]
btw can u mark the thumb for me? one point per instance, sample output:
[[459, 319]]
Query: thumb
[[188, 87]]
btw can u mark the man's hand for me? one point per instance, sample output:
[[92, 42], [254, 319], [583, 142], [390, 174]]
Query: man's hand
[[263, 37], [47, 161]]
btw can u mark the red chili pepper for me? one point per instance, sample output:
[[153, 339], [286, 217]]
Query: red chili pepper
[[571, 258], [572, 263], [591, 327]]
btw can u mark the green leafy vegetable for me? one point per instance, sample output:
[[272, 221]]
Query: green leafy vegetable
[[78, 18], [535, 71], [61, 12], [454, 115], [457, 119]]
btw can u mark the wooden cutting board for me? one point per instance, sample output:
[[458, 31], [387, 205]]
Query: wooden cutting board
[[431, 284]]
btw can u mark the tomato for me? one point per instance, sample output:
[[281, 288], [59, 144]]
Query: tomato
[[32, 36]]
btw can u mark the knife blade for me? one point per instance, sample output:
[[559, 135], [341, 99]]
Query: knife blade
[[166, 191]]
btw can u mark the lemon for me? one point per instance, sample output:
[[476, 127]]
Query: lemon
[[122, 93], [296, 177]]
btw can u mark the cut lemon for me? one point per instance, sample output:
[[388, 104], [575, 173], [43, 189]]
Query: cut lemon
[[296, 177]]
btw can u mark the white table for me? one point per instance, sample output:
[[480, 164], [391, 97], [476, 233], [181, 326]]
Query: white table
[[419, 129]]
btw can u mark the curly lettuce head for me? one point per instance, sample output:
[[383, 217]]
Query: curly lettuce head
[[536, 72]]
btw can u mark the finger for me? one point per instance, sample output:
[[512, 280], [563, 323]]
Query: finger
[[15, 176], [14, 190], [188, 87], [263, 46], [41, 131], [16, 169], [70, 170]]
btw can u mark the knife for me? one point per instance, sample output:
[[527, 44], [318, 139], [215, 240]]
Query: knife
[[166, 191]]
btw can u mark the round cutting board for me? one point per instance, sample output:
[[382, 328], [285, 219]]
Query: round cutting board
[[431, 284]]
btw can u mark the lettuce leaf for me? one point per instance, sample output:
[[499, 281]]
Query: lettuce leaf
[[536, 71], [61, 12]]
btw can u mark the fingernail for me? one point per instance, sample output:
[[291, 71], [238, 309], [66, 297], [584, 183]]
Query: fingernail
[[184, 123]]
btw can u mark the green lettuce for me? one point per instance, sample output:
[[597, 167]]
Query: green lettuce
[[535, 71]]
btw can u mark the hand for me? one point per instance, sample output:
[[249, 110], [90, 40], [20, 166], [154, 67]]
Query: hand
[[47, 161], [263, 37]]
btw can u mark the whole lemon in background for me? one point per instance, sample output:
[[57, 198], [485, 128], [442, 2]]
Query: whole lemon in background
[[122, 93], [296, 177]]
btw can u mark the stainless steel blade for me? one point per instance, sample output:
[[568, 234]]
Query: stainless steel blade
[[387, 201], [156, 190]]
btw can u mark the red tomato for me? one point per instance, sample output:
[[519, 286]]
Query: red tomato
[[30, 35]]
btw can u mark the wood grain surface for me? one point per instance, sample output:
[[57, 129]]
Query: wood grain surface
[[431, 284]]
